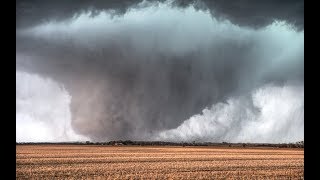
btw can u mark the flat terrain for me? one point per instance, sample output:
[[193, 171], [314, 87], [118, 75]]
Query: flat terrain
[[157, 162]]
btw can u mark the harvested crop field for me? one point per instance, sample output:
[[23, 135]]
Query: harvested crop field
[[156, 162]]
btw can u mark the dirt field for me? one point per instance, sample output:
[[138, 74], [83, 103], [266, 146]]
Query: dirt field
[[140, 162]]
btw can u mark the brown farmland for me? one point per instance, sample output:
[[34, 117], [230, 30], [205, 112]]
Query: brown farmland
[[157, 162]]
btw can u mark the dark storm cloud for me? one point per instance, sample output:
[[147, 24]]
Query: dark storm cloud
[[242, 12], [129, 79], [32, 12], [253, 13]]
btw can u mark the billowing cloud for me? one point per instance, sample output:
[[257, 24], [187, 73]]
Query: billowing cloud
[[42, 110], [157, 64], [271, 114]]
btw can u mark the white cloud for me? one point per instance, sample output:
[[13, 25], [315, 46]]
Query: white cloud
[[271, 114], [42, 110]]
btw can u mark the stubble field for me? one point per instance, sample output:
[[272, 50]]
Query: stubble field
[[156, 162]]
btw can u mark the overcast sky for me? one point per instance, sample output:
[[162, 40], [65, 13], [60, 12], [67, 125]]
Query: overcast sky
[[160, 70]]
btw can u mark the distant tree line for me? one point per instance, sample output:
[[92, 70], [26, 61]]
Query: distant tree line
[[299, 144]]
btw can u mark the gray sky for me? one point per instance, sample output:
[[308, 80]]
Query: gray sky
[[164, 70]]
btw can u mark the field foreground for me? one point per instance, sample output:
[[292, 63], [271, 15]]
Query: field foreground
[[157, 162]]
